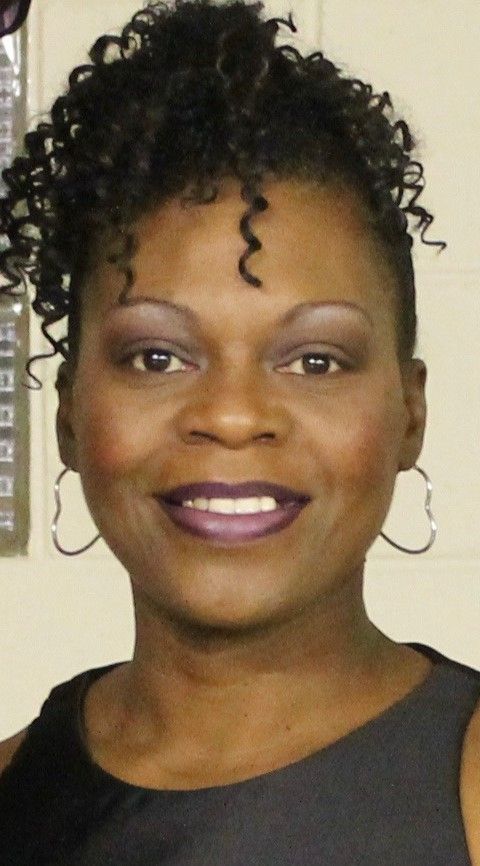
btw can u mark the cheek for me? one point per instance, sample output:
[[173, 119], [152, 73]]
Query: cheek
[[111, 438], [356, 443], [373, 443]]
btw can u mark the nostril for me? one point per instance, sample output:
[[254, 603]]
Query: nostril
[[199, 434], [263, 436]]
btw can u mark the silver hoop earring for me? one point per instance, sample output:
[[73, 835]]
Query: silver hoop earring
[[54, 526], [428, 511]]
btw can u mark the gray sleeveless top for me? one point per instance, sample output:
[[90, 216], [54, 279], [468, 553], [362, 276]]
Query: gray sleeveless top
[[385, 795]]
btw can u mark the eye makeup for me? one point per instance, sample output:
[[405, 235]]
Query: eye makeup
[[337, 328], [340, 330], [134, 327]]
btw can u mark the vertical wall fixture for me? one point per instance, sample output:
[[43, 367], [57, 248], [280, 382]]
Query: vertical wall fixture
[[14, 403]]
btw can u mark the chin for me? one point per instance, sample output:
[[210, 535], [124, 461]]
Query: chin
[[216, 628], [218, 617]]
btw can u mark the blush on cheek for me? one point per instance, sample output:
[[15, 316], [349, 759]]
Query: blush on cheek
[[108, 445], [364, 460], [358, 478]]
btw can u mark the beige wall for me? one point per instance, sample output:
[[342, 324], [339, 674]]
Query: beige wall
[[60, 616]]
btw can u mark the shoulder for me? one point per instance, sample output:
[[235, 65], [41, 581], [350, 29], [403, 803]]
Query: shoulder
[[61, 705], [470, 785], [459, 692], [9, 748]]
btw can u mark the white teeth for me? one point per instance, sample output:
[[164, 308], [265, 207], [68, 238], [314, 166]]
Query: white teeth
[[268, 503], [201, 504], [222, 506], [250, 505]]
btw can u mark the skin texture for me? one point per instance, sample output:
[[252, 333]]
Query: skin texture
[[237, 411], [247, 657]]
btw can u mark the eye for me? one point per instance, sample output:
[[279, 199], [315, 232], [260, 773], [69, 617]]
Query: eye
[[314, 363], [156, 361]]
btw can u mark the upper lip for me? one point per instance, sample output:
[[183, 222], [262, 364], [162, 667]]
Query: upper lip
[[221, 490]]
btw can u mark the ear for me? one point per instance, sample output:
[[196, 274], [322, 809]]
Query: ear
[[65, 430], [414, 375]]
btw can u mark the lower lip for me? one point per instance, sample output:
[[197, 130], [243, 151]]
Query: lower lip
[[232, 528]]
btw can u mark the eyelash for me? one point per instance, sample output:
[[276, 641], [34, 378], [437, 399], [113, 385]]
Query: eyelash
[[324, 356], [142, 353]]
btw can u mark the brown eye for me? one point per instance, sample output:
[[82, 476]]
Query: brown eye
[[156, 361], [314, 363]]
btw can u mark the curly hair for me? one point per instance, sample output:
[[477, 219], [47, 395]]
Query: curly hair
[[189, 93]]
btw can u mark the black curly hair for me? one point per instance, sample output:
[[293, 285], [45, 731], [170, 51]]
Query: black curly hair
[[189, 93]]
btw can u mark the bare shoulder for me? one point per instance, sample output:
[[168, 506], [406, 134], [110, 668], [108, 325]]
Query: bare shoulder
[[470, 786], [9, 747]]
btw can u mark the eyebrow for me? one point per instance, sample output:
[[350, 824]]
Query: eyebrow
[[178, 309], [297, 312]]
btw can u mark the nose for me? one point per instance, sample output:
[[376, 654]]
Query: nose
[[235, 410]]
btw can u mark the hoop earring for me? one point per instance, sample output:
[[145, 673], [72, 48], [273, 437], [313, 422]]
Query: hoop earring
[[54, 526], [428, 511]]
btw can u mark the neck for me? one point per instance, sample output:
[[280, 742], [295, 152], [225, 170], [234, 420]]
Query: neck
[[336, 630], [234, 692], [196, 708]]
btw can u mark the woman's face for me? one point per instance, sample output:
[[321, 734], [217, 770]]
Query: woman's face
[[296, 383]]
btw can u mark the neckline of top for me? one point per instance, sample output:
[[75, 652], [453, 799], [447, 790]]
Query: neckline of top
[[441, 669]]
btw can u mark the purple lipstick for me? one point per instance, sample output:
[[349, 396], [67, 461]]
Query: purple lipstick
[[190, 507]]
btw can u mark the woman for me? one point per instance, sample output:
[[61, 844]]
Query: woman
[[227, 227]]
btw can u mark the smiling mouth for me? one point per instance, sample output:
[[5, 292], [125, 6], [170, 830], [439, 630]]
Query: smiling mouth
[[232, 514]]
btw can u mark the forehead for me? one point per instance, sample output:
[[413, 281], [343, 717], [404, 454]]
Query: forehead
[[316, 245]]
